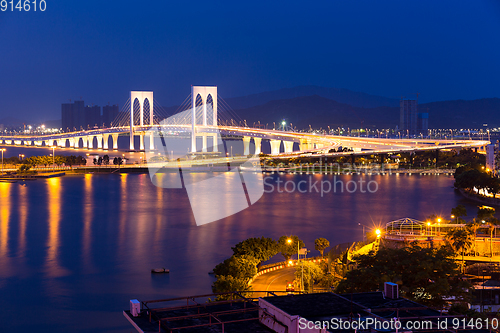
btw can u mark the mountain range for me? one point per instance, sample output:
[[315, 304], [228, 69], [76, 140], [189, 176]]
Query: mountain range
[[321, 107]]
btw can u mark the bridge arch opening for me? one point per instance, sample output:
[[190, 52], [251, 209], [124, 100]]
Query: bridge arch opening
[[210, 110], [137, 112], [199, 110], [147, 112]]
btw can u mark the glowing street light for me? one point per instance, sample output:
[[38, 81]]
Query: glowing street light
[[3, 149], [53, 158], [289, 241], [378, 232]]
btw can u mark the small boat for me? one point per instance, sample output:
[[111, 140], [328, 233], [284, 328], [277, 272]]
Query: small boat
[[159, 270]]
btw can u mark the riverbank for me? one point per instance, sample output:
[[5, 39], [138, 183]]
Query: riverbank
[[15, 177], [480, 199]]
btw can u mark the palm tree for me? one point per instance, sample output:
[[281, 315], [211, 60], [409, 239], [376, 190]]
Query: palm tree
[[460, 240], [492, 222], [472, 228]]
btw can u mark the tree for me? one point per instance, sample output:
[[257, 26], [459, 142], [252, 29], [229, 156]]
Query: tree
[[260, 248], [105, 160], [24, 168], [242, 267], [309, 272], [320, 244], [459, 211], [426, 275], [486, 214], [461, 241], [288, 249], [228, 283]]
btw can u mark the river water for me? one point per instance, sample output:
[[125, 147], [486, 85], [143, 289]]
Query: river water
[[74, 250]]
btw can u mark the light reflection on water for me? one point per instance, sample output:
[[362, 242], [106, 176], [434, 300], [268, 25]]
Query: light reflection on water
[[74, 250]]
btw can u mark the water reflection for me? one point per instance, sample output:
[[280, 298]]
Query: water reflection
[[5, 210], [53, 267], [23, 208], [88, 217], [112, 229]]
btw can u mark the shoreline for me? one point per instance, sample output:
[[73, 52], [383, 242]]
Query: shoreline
[[483, 200]]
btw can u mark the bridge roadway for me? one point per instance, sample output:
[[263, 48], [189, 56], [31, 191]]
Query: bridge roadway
[[309, 144]]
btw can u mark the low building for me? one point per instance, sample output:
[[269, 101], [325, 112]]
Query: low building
[[319, 312]]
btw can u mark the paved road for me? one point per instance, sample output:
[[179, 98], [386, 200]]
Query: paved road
[[273, 281]]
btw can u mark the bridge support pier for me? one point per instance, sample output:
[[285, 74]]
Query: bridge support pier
[[215, 147], [288, 146], [85, 140], [72, 143], [17, 142], [132, 139], [246, 145], [115, 141], [91, 142], [9, 142], [275, 147], [204, 143], [141, 141], [257, 142], [62, 143], [77, 142], [99, 141], [105, 142], [151, 141], [27, 143]]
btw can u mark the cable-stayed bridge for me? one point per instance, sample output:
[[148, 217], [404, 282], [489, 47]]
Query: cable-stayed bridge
[[204, 116]]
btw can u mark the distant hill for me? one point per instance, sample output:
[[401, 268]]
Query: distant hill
[[10, 121], [354, 98], [318, 112], [464, 114]]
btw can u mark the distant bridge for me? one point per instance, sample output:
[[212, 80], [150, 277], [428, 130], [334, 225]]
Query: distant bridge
[[200, 120]]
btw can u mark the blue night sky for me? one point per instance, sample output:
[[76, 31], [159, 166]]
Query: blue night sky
[[100, 50]]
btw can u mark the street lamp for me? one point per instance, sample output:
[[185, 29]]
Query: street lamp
[[439, 226], [283, 123], [378, 233], [3, 149], [289, 241], [53, 157]]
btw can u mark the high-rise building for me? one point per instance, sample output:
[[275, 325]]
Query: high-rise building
[[78, 110], [67, 116], [412, 121], [408, 115], [93, 116], [109, 113], [423, 122], [76, 116]]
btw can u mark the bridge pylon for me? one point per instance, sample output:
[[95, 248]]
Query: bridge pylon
[[141, 97], [204, 92]]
